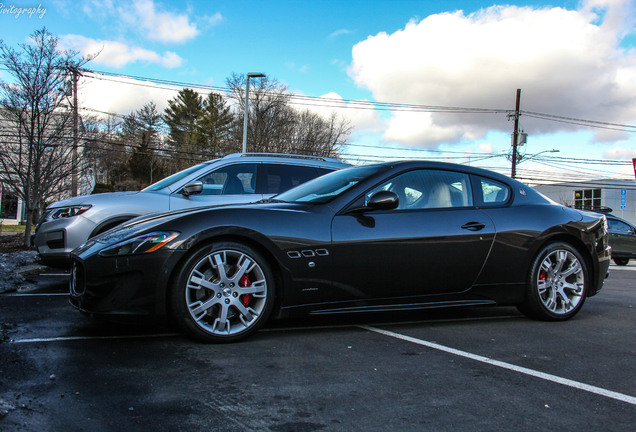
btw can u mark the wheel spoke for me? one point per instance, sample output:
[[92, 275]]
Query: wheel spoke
[[197, 283], [199, 307], [561, 258], [245, 266], [575, 268], [219, 264], [257, 289], [246, 314]]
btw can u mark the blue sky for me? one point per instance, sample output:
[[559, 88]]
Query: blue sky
[[571, 59]]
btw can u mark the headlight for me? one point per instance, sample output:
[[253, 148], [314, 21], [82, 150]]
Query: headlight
[[142, 244], [65, 212]]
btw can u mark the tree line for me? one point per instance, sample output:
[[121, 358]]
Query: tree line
[[45, 141]]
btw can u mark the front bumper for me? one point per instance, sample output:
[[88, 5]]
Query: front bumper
[[55, 240], [121, 286]]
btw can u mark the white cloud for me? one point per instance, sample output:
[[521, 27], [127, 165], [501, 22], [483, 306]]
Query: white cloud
[[327, 104], [486, 148], [566, 63], [122, 95], [620, 153], [118, 54], [341, 32], [159, 25]]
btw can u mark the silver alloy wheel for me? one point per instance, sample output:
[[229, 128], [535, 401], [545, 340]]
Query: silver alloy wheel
[[226, 292], [560, 281]]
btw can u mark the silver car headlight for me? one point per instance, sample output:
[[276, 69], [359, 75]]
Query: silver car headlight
[[66, 212], [142, 244]]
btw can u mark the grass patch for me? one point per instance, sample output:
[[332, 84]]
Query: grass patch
[[12, 228]]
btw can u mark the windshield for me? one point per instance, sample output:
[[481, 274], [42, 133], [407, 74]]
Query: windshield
[[174, 178], [325, 188]]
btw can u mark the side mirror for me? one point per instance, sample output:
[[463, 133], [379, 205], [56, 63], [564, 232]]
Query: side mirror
[[383, 200], [192, 188]]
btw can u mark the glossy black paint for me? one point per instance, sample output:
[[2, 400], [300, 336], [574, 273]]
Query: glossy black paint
[[342, 256]]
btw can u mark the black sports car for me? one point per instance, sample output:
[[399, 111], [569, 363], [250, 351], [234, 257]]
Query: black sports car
[[393, 236]]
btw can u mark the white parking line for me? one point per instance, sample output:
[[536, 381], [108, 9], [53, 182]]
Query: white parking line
[[82, 338], [36, 294], [617, 268], [548, 377]]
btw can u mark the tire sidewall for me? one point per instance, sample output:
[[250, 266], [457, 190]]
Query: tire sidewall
[[177, 298], [621, 261]]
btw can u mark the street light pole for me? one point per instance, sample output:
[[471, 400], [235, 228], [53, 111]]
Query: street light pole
[[247, 105]]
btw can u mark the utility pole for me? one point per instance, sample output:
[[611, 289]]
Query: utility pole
[[74, 176], [515, 136]]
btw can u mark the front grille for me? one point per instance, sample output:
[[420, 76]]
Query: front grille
[[77, 283]]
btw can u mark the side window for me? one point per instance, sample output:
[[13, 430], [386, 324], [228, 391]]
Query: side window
[[428, 189], [279, 178], [493, 192], [618, 226], [230, 180]]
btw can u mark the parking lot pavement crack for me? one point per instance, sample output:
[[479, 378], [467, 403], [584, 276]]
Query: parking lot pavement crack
[[511, 367]]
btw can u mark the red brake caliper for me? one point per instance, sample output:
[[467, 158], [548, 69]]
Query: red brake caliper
[[245, 282]]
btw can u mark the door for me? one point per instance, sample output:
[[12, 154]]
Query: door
[[435, 242]]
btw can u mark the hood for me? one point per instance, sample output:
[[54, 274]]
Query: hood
[[144, 222], [91, 199]]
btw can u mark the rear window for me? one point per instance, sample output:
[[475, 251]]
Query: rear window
[[493, 192]]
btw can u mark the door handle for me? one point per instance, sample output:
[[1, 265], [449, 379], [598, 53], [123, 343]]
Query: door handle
[[473, 226]]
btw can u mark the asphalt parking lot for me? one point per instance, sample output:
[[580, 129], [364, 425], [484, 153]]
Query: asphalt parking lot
[[473, 369]]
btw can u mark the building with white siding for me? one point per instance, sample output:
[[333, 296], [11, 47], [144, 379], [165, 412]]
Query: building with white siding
[[619, 195]]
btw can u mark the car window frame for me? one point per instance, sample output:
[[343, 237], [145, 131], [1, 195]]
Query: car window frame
[[478, 195]]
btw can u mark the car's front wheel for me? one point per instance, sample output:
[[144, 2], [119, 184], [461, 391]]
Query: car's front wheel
[[557, 284], [222, 293], [621, 261]]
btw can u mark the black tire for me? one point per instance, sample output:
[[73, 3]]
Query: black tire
[[223, 292], [621, 261], [557, 284]]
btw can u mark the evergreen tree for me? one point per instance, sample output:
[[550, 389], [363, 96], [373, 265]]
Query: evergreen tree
[[182, 116]]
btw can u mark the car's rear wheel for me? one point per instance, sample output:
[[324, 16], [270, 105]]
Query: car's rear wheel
[[621, 261], [223, 292], [557, 284]]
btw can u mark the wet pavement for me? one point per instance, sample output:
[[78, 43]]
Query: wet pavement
[[464, 369]]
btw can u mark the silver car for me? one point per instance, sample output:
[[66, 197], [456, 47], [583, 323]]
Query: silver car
[[236, 178]]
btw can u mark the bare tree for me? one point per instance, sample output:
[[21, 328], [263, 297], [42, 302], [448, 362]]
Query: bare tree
[[275, 126], [36, 152], [270, 117]]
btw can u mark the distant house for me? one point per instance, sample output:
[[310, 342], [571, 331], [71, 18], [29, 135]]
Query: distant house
[[619, 195], [10, 207]]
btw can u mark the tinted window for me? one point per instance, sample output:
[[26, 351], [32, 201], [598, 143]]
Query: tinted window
[[618, 226], [493, 192], [235, 179], [425, 189], [279, 178]]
